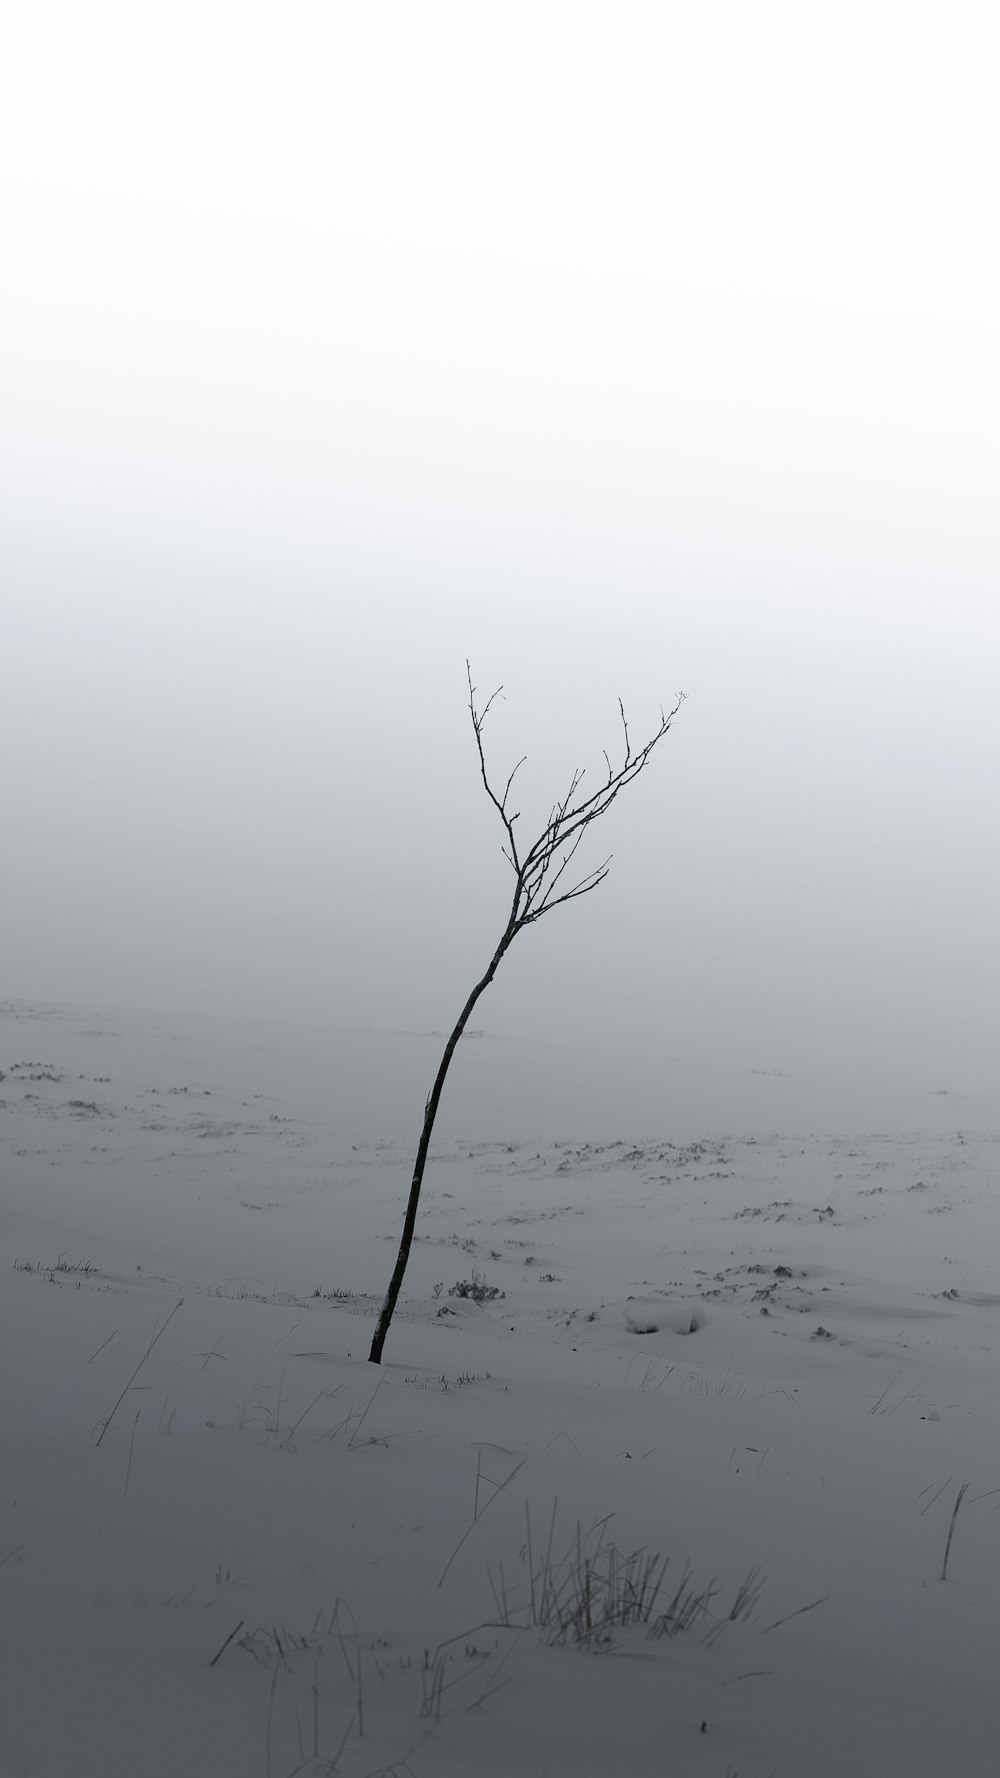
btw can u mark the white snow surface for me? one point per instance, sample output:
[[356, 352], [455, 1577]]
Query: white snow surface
[[744, 1322]]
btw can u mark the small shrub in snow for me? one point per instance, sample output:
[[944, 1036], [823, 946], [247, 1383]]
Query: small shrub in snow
[[477, 1289]]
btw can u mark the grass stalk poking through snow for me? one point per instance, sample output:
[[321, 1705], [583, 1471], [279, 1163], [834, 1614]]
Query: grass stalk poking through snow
[[221, 1651], [596, 1588], [158, 1334], [478, 1511], [364, 1414], [800, 1613], [287, 1443], [960, 1496], [131, 1448]]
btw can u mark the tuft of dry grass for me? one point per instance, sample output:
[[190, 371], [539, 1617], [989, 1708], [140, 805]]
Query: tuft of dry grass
[[595, 1589]]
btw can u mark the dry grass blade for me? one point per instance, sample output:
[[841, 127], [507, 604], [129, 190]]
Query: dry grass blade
[[800, 1613], [157, 1335], [220, 1652], [131, 1448], [478, 1515], [960, 1496]]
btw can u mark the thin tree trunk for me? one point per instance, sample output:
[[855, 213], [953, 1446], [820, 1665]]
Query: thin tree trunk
[[430, 1113]]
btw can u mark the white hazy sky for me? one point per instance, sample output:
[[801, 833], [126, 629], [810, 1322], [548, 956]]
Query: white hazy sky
[[621, 348]]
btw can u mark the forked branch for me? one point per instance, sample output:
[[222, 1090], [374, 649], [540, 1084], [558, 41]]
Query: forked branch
[[543, 867]]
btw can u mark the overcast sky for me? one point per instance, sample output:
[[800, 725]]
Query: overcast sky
[[624, 349]]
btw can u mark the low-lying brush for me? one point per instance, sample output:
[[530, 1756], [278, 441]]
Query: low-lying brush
[[477, 1289], [64, 1266], [595, 1589]]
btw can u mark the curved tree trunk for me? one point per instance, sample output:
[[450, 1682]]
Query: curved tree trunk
[[430, 1113]]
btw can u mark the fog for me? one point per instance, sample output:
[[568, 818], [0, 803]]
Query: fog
[[623, 351]]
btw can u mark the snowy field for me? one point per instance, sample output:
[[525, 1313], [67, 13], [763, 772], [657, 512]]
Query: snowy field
[[706, 1484]]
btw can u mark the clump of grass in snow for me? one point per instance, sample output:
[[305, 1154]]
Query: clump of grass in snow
[[301, 1691], [477, 1289], [582, 1598], [447, 1384], [254, 1414], [67, 1267], [595, 1588]]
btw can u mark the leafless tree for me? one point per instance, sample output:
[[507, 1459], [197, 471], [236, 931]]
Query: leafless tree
[[541, 883]]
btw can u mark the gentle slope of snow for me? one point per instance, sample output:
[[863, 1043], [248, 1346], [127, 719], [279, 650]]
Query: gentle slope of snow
[[750, 1317]]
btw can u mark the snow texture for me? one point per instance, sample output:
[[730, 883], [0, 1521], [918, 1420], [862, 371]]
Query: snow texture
[[709, 1488]]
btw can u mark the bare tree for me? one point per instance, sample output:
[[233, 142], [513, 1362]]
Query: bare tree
[[540, 884]]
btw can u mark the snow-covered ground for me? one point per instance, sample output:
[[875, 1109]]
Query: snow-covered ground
[[674, 1501]]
